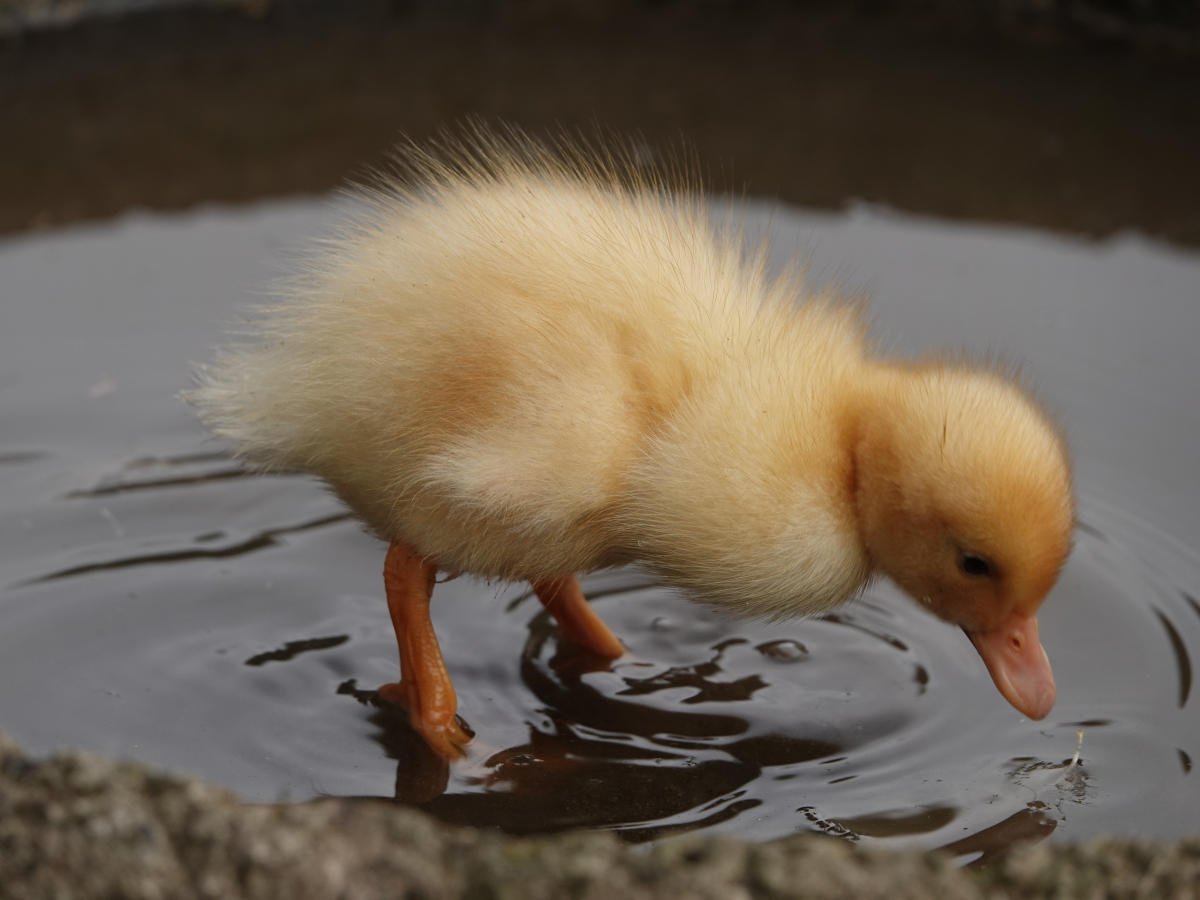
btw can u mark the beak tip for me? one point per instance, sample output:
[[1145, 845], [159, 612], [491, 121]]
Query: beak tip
[[1038, 706], [1046, 703], [1018, 665]]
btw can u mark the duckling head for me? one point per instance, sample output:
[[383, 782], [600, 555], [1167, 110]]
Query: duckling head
[[964, 499]]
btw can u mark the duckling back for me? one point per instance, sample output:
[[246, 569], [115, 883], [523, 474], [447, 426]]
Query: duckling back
[[477, 362], [526, 363]]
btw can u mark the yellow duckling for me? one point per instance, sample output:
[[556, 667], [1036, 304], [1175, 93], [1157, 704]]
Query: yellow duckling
[[525, 362]]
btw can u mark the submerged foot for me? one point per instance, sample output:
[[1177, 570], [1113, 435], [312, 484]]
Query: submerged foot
[[439, 726]]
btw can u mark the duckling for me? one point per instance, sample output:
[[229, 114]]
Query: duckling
[[529, 360]]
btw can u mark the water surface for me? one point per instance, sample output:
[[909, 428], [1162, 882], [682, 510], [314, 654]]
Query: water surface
[[160, 602]]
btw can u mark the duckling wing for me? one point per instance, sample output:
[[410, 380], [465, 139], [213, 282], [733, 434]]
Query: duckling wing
[[475, 371]]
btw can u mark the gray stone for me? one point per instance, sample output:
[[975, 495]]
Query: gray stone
[[78, 827]]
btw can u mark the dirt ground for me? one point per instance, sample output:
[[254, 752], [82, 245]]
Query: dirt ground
[[816, 106]]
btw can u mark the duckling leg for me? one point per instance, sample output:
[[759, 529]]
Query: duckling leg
[[563, 598], [424, 685]]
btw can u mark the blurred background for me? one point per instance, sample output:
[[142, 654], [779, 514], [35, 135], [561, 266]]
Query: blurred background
[[1075, 115]]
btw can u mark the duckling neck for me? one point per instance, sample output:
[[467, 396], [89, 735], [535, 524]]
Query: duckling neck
[[884, 437]]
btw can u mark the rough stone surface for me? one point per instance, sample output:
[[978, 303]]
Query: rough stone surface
[[78, 827]]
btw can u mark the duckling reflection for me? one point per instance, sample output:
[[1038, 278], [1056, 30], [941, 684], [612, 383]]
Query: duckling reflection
[[1025, 826], [602, 759], [653, 745], [697, 677]]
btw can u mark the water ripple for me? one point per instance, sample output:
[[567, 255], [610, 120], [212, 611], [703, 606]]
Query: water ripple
[[260, 541]]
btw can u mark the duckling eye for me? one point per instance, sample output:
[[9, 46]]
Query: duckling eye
[[976, 566]]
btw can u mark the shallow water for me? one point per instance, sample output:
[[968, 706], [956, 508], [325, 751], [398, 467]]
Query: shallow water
[[157, 601]]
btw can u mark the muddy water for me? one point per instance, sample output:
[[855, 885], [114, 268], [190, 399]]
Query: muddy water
[[157, 601]]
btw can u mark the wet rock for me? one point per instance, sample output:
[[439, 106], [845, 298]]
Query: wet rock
[[81, 827]]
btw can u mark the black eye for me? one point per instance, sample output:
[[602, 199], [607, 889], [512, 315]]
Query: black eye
[[975, 565]]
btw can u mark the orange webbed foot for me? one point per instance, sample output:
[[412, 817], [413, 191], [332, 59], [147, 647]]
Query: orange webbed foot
[[424, 688], [440, 726], [396, 692]]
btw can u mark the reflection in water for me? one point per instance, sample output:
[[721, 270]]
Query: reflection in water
[[600, 758], [121, 487], [602, 761], [1053, 784], [699, 677], [850, 621], [260, 541], [827, 826], [1190, 601], [155, 473], [783, 651], [990, 844], [141, 570], [1181, 658], [893, 823], [566, 778], [292, 649], [831, 724]]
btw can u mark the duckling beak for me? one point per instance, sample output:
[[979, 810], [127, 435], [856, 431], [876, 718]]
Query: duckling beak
[[1017, 663]]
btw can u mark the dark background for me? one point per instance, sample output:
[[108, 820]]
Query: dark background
[[1083, 117]]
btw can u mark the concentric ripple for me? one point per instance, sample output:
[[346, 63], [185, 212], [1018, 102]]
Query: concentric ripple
[[158, 600], [251, 655]]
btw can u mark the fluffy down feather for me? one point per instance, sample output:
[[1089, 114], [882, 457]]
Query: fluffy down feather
[[528, 360]]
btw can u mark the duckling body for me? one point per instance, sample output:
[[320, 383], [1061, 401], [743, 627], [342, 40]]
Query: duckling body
[[522, 367]]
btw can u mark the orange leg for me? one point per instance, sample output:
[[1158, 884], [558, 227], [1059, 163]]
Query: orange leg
[[424, 685], [563, 597]]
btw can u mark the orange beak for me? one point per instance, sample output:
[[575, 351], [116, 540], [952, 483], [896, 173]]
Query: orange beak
[[1017, 663]]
